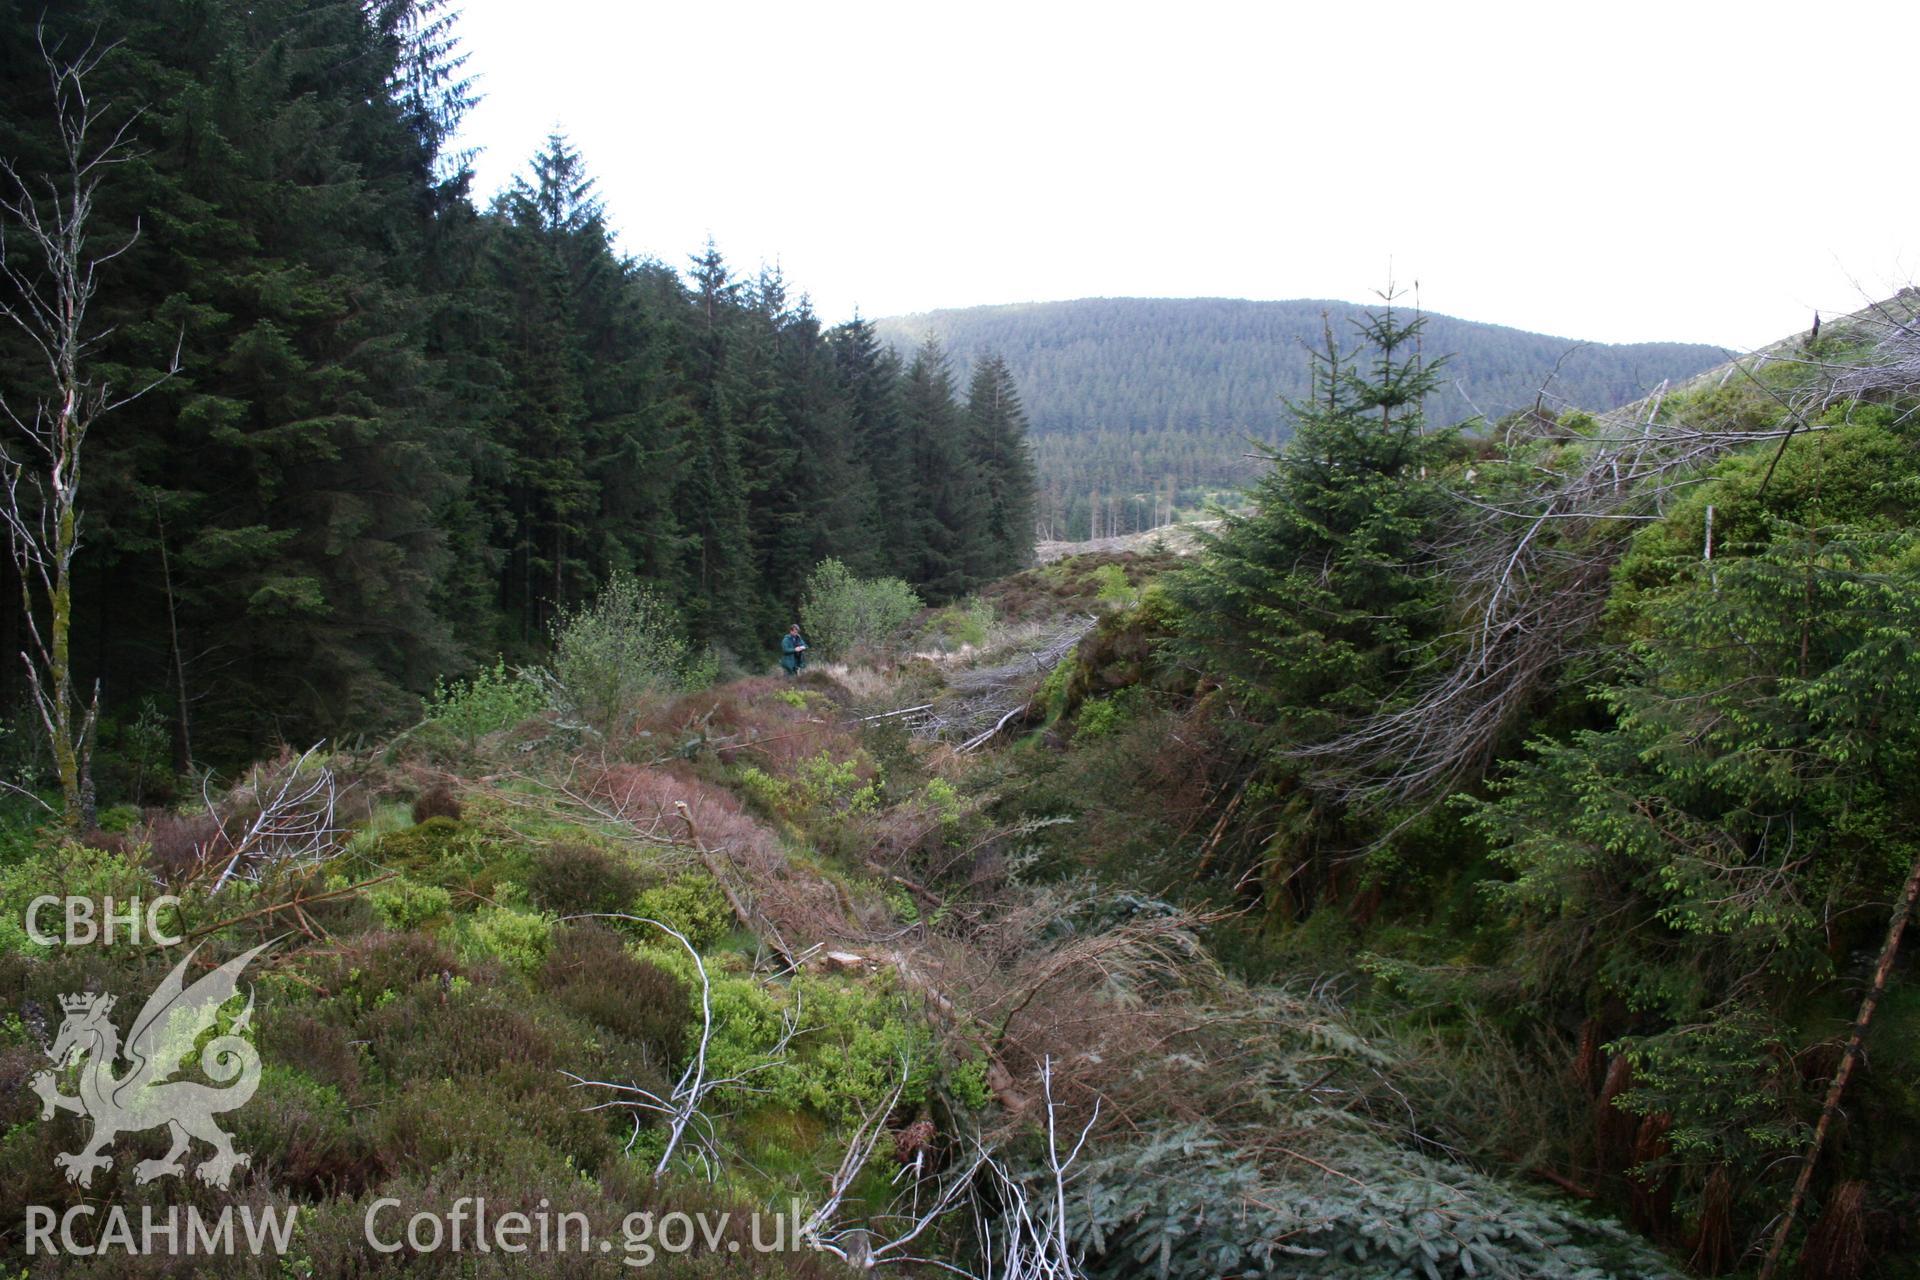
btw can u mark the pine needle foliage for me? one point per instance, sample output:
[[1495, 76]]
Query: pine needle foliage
[[1188, 1204], [1309, 610], [1305, 608], [1736, 825]]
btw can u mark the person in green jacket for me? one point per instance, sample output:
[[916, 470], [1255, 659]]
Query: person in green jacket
[[793, 650]]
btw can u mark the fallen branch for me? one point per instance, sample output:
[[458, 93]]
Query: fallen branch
[[293, 904], [740, 912], [982, 739], [294, 822], [888, 715], [913, 887]]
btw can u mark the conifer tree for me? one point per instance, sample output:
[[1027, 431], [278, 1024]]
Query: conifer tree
[[549, 495], [769, 443], [828, 486], [293, 197], [946, 548], [598, 440], [411, 431], [1740, 825], [714, 494], [868, 376], [997, 447], [640, 427], [1307, 610], [1306, 606]]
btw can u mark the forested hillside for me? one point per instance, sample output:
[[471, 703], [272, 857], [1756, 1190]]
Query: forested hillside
[[1406, 883], [1483, 852], [1144, 404], [406, 431]]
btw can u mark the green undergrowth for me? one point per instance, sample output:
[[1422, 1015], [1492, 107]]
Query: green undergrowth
[[1582, 980], [418, 1023]]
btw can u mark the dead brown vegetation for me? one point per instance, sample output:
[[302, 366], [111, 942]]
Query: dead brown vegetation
[[673, 807]]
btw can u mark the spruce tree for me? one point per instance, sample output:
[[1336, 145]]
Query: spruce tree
[[1306, 606], [549, 494], [828, 497], [289, 187], [639, 425], [769, 443], [1308, 609], [1739, 825], [868, 375], [597, 436], [945, 544], [997, 447], [713, 492]]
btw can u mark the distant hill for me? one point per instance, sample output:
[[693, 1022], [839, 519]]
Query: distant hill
[[1139, 404]]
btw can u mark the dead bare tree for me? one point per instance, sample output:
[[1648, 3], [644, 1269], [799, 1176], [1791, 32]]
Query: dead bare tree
[[884, 1240], [1028, 1239], [52, 282]]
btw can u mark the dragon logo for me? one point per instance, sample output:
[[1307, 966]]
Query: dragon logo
[[145, 1097]]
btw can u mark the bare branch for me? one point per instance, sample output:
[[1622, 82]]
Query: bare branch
[[683, 1106], [296, 822]]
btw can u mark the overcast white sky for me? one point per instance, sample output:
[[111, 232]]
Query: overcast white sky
[[1708, 172]]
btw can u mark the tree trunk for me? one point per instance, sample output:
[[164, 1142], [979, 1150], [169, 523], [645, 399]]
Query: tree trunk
[[1902, 912]]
